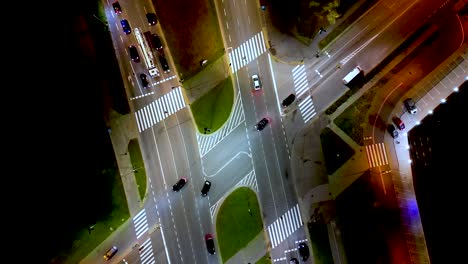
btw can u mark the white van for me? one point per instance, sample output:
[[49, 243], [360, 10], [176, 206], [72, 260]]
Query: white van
[[350, 76]]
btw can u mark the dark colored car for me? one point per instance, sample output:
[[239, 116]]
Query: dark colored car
[[144, 80], [117, 8], [410, 106], [303, 251], [293, 261], [288, 100], [110, 253], [152, 20], [399, 123], [126, 26], [206, 188], [134, 53], [392, 130], [210, 246], [262, 124], [164, 64], [156, 42], [179, 184]]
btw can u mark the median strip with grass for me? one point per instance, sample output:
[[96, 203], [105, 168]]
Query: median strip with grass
[[238, 222], [212, 110]]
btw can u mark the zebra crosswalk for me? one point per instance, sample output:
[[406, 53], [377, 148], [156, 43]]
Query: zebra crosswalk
[[376, 155], [140, 223], [301, 86], [208, 142], [247, 52], [146, 252], [284, 226], [160, 109]]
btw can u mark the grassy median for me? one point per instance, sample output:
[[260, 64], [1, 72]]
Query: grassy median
[[238, 222], [213, 109]]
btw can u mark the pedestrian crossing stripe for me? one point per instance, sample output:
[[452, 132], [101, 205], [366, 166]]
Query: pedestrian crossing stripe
[[247, 52], [140, 223], [376, 155], [301, 86], [284, 226], [146, 252], [160, 109], [307, 109]]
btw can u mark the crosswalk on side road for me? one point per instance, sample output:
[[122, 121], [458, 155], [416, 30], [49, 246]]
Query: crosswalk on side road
[[301, 86], [376, 155]]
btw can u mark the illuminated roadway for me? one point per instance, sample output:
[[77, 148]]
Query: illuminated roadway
[[260, 160]]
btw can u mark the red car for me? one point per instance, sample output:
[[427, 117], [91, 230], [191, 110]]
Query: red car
[[399, 123], [210, 246], [117, 8]]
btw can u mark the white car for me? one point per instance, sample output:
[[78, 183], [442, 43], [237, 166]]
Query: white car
[[256, 82]]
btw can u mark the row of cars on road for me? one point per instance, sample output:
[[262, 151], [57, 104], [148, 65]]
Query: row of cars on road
[[210, 246], [257, 85], [153, 40], [183, 181], [209, 240]]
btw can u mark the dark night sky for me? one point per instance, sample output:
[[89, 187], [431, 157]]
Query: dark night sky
[[59, 135]]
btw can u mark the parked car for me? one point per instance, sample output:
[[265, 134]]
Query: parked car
[[256, 82], [110, 253], [392, 130], [210, 246], [262, 124], [179, 184], [134, 53], [303, 251], [288, 100], [410, 106], [126, 26], [206, 188], [152, 20], [399, 123], [156, 43], [117, 8], [164, 64], [144, 80]]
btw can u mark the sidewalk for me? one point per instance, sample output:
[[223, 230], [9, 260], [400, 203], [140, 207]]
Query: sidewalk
[[452, 73], [254, 251], [122, 130]]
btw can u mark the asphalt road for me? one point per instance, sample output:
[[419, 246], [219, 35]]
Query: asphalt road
[[171, 148]]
